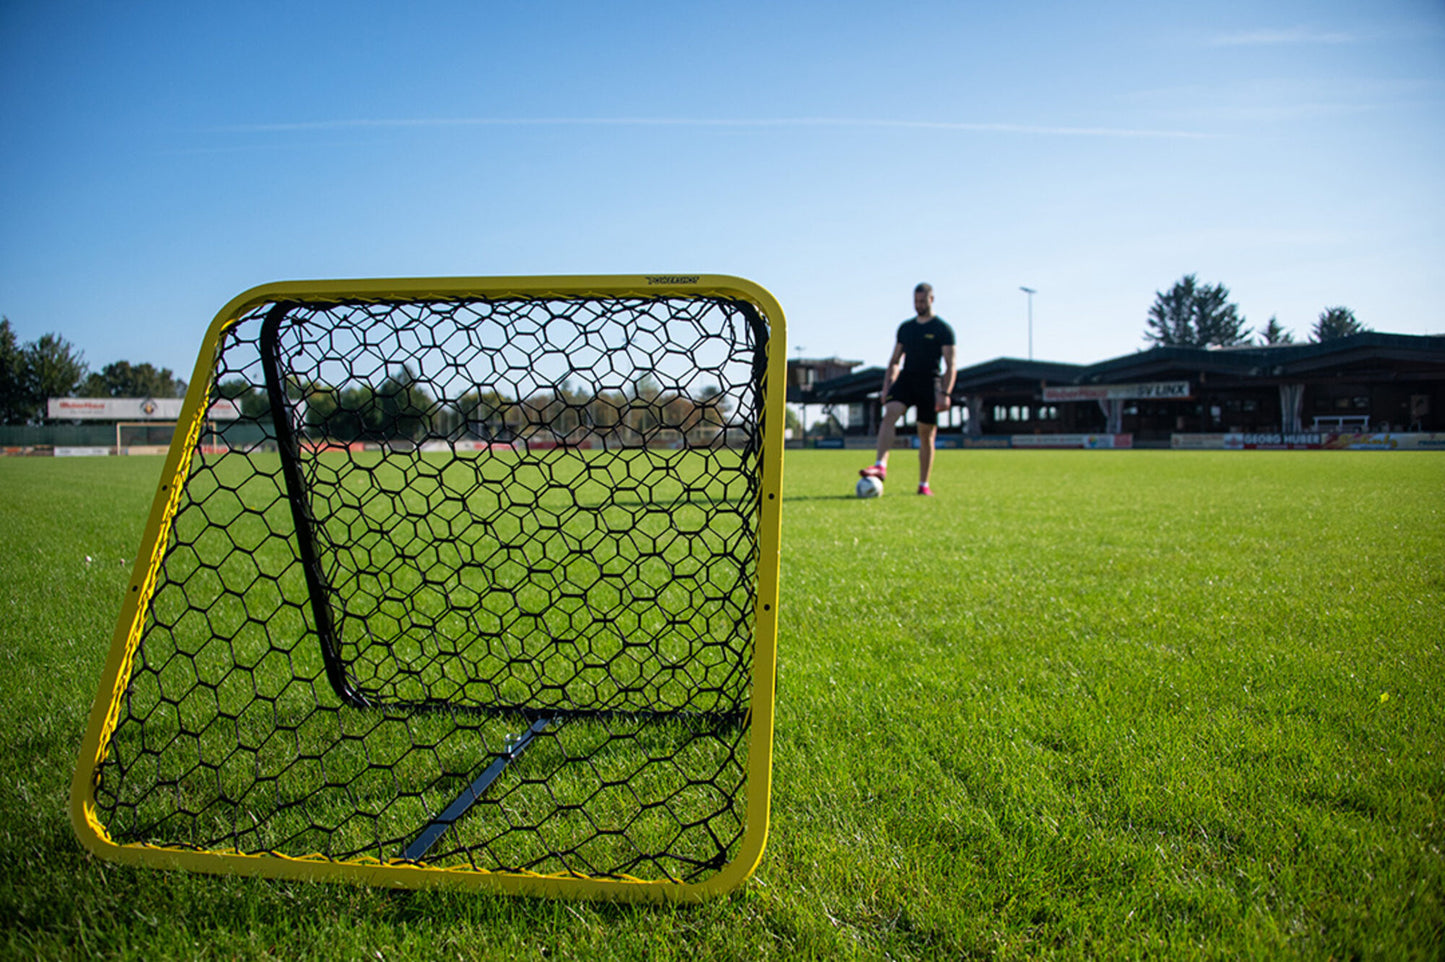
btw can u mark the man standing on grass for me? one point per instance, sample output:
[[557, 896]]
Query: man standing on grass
[[922, 343]]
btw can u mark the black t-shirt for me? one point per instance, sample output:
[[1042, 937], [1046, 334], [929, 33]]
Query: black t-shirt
[[923, 346]]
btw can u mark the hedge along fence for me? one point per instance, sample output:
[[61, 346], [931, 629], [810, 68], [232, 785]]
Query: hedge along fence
[[101, 434]]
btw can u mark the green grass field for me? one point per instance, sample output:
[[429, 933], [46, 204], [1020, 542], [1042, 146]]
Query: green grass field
[[1080, 704]]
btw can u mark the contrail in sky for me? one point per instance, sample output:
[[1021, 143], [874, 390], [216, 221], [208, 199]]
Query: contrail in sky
[[780, 122], [1289, 36]]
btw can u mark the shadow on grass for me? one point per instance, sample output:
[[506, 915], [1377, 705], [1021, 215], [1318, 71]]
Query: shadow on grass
[[87, 905]]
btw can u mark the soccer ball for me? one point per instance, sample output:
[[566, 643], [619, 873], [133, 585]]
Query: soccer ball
[[869, 488]]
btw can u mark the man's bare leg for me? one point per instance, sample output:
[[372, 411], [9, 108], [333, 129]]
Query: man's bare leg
[[888, 430], [927, 434]]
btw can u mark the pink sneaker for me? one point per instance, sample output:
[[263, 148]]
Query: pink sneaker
[[925, 489], [874, 471]]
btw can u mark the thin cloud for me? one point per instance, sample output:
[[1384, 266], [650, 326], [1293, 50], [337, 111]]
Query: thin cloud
[[1292, 36], [757, 123]]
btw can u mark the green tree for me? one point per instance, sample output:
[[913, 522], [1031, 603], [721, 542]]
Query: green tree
[[405, 407], [1194, 315], [52, 368], [605, 411], [123, 379], [1336, 322], [714, 406], [252, 401], [487, 414], [1273, 333], [644, 414], [560, 411], [322, 412], [350, 414], [14, 404]]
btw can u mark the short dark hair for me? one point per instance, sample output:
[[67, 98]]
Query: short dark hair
[[923, 288]]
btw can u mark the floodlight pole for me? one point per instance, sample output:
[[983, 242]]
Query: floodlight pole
[[1030, 292], [802, 405]]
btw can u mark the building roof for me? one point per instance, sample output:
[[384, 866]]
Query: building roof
[[1271, 362], [1004, 372], [1406, 356]]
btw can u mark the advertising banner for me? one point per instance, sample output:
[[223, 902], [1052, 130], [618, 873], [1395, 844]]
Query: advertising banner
[[1270, 441], [1308, 441], [1090, 441], [130, 409], [1158, 390], [942, 441], [1197, 442], [1386, 442]]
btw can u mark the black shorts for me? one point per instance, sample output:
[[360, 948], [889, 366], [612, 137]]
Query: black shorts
[[919, 392]]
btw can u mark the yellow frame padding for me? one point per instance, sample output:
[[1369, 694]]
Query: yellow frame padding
[[115, 679]]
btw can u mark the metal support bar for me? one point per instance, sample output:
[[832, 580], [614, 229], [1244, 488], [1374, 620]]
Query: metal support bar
[[437, 827], [288, 445]]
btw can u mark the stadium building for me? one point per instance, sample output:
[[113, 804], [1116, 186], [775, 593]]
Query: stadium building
[[1287, 395]]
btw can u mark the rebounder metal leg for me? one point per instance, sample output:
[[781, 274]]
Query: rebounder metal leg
[[437, 827]]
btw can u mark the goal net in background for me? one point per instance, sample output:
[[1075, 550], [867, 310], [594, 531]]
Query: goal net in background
[[500, 608], [143, 437]]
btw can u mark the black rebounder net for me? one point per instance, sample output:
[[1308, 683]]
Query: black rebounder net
[[470, 583]]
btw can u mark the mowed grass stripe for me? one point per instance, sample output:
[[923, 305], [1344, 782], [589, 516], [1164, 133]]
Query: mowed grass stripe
[[1079, 690], [196, 760], [1084, 704]]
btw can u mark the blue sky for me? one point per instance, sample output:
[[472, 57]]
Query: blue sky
[[162, 157]]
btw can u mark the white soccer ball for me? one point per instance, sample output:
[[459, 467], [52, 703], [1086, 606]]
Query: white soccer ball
[[869, 488]]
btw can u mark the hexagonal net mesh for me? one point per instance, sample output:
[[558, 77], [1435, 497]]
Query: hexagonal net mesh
[[470, 583]]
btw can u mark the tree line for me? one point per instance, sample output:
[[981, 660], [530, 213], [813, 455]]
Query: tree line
[[1191, 314], [50, 366], [400, 407], [403, 408]]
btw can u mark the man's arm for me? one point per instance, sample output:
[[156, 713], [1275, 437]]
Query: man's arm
[[891, 375], [944, 401]]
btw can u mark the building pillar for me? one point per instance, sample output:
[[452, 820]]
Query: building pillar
[[1291, 403], [1114, 414]]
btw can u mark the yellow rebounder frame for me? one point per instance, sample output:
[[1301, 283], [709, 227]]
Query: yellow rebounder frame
[[391, 868]]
